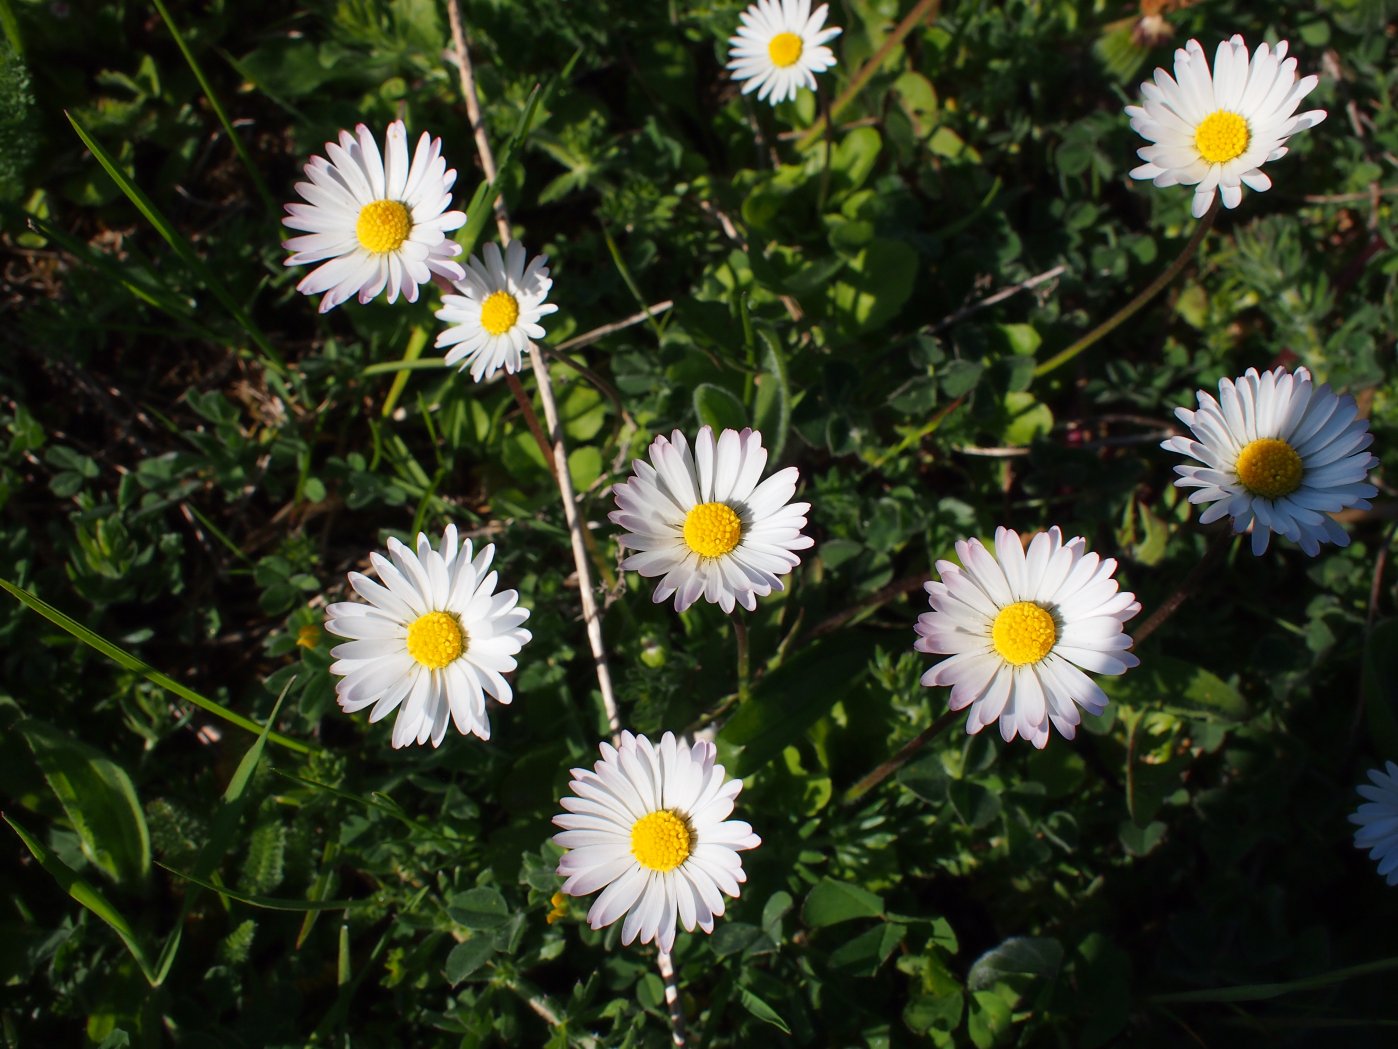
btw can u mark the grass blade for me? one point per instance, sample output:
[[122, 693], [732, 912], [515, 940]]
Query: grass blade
[[75, 886], [180, 246], [217, 107], [269, 903], [123, 658]]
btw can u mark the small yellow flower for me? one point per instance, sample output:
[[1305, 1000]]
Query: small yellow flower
[[308, 636], [559, 904]]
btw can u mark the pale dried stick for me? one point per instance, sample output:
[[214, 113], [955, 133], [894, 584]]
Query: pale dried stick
[[561, 472]]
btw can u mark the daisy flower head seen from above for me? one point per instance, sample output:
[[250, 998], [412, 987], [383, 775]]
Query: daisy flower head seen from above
[[432, 642], [374, 221], [1279, 455], [780, 47], [1021, 627], [1378, 820], [649, 826], [1214, 130], [701, 521], [496, 316]]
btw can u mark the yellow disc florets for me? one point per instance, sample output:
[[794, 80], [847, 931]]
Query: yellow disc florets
[[499, 312], [784, 49], [712, 529], [436, 639], [383, 226], [1221, 136], [1023, 633], [1269, 468], [661, 840]]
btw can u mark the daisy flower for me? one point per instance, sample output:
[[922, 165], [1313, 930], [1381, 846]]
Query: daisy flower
[[780, 47], [702, 522], [497, 313], [1378, 820], [649, 826], [379, 222], [1278, 455], [1215, 131], [1022, 629], [432, 642]]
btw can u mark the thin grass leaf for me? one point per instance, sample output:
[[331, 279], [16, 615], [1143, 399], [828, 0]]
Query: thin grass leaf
[[1257, 992], [75, 886], [417, 339], [181, 247], [318, 890], [217, 107], [10, 25], [125, 659], [267, 903]]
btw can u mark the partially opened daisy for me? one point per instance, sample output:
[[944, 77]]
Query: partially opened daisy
[[374, 221], [1378, 820], [649, 826], [1215, 131], [702, 522], [433, 641], [1279, 455], [1021, 630], [497, 313], [780, 47]]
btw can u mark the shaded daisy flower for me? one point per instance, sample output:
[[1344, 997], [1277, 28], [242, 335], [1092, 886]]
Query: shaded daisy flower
[[649, 826], [497, 313], [432, 643], [1214, 131], [374, 222], [780, 47], [1279, 455], [702, 522], [1378, 820], [1021, 631]]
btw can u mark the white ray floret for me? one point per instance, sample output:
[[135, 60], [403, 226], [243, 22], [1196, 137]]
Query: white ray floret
[[1214, 130], [433, 641], [374, 221], [701, 521], [649, 826], [496, 315], [780, 47], [1279, 455], [1378, 820], [1021, 627]]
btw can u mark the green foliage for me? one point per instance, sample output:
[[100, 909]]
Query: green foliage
[[191, 460]]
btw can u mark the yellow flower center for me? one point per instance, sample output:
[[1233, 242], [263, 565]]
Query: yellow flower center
[[499, 312], [784, 49], [1269, 468], [1023, 633], [383, 226], [1221, 136], [661, 840], [712, 529], [436, 639]]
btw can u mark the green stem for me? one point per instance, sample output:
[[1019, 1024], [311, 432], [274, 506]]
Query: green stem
[[740, 633], [900, 759], [1126, 312]]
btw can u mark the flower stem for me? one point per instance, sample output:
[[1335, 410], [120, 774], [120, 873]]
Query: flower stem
[[672, 997], [740, 634], [1150, 291], [901, 758]]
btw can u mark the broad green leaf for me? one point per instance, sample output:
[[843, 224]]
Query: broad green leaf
[[788, 700], [99, 799], [760, 1009], [1164, 682], [854, 156], [771, 410], [988, 1019], [719, 408], [876, 284], [466, 958], [832, 902], [1026, 419], [70, 882], [934, 1013], [863, 955], [1018, 956], [481, 908], [122, 658]]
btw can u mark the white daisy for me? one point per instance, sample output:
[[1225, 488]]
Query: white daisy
[[702, 521], [1021, 631], [1279, 455], [433, 640], [649, 825], [1378, 821], [497, 313], [1216, 131], [780, 47], [380, 222]]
